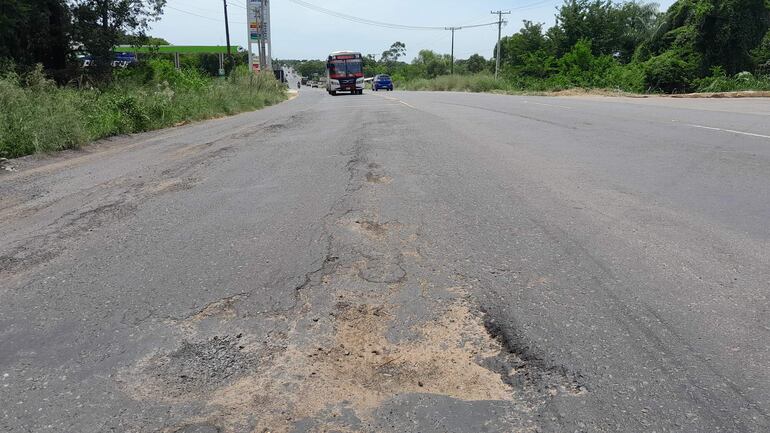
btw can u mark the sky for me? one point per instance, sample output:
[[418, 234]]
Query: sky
[[301, 33]]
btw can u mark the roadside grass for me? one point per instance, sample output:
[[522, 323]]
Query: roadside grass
[[485, 83], [37, 116], [619, 83], [721, 82], [459, 83]]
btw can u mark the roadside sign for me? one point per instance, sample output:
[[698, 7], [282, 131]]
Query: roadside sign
[[256, 20]]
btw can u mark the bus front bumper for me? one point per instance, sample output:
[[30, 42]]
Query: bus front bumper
[[336, 86]]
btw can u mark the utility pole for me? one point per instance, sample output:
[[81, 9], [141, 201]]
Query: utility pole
[[227, 35], [499, 37], [452, 66]]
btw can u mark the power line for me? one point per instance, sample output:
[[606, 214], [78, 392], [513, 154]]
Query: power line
[[200, 16], [453, 29], [362, 20]]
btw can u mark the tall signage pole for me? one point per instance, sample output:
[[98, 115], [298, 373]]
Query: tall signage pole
[[262, 42], [267, 36], [258, 12], [253, 12]]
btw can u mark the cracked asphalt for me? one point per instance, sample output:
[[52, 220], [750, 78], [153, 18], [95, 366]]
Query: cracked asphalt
[[397, 262]]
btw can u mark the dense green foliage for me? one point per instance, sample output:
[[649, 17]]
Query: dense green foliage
[[697, 45], [101, 24], [35, 31], [38, 116]]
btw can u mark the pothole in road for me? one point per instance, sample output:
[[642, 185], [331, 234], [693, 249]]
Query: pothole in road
[[359, 368], [381, 271], [369, 228], [192, 370], [171, 185]]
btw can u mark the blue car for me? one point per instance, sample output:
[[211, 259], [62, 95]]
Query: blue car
[[382, 82]]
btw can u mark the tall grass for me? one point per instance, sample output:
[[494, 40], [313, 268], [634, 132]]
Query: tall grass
[[719, 81], [459, 83], [626, 80], [38, 116]]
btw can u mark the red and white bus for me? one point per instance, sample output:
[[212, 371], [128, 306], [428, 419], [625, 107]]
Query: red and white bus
[[345, 73]]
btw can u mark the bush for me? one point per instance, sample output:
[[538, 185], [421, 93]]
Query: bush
[[719, 81], [669, 73], [38, 116]]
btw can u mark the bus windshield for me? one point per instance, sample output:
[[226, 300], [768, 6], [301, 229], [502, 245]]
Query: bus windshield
[[346, 68]]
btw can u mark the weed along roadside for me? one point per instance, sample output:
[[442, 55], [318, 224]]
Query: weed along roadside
[[39, 116]]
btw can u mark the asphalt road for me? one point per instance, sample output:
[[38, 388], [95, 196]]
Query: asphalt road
[[397, 262]]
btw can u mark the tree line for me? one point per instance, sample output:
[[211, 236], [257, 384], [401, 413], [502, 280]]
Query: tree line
[[593, 40], [50, 32], [632, 46]]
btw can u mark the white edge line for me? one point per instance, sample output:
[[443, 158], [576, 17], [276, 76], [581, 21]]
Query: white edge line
[[711, 128]]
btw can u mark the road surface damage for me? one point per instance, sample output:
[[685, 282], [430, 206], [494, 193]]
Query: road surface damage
[[374, 324]]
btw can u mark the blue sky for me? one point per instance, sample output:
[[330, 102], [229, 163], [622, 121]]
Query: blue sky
[[300, 33]]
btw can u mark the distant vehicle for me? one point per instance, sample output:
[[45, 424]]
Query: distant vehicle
[[120, 60], [314, 84], [345, 73], [382, 82]]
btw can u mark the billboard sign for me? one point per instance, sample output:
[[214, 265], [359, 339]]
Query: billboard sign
[[256, 20]]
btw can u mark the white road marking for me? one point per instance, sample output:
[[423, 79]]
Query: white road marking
[[390, 98], [732, 131], [548, 105]]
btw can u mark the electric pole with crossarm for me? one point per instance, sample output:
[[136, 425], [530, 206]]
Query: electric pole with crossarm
[[499, 37], [452, 66]]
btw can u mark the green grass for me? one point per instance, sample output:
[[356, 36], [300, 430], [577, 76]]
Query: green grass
[[38, 116], [459, 83], [720, 82]]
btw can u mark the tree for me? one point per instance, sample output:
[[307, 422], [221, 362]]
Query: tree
[[476, 63], [613, 28], [713, 33], [35, 31], [515, 49], [430, 64], [141, 40], [395, 52], [639, 21], [761, 55], [312, 67], [99, 25]]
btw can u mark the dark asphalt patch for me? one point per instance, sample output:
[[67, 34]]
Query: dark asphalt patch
[[521, 367], [194, 369]]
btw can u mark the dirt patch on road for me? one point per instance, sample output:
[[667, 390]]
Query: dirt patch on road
[[378, 178], [359, 368], [369, 228]]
